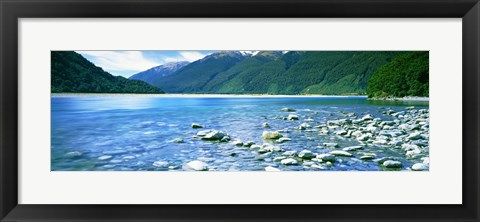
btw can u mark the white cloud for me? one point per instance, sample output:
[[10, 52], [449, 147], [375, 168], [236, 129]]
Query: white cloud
[[189, 56], [120, 60]]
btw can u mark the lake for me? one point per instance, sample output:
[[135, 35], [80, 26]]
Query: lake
[[154, 133]]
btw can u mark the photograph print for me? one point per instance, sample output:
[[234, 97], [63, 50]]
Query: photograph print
[[157, 110]]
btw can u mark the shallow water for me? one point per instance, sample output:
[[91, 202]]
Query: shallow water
[[131, 132]]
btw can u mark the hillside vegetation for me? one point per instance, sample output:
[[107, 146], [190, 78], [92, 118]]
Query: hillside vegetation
[[72, 73], [406, 75]]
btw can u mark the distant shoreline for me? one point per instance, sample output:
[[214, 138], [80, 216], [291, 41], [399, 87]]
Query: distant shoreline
[[196, 95], [407, 98]]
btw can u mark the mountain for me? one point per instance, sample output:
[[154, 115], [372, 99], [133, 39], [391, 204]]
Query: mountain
[[406, 75], [193, 77], [153, 74], [279, 72], [71, 72]]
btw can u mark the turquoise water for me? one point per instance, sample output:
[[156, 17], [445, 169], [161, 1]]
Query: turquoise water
[[131, 132]]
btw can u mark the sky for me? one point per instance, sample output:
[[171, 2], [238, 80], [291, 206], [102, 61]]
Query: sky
[[127, 63]]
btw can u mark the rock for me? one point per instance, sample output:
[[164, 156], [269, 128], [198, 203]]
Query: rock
[[333, 145], [225, 139], [248, 143], [368, 156], [73, 154], [254, 147], [265, 125], [178, 140], [352, 148], [237, 143], [292, 117], [289, 153], [341, 132], [306, 154], [196, 126], [419, 167], [160, 164], [271, 169], [105, 157], [308, 120], [196, 165], [279, 158], [271, 148], [266, 135], [326, 157], [341, 153], [367, 117], [303, 126], [283, 139], [410, 107], [214, 135], [287, 110], [380, 142], [408, 147], [289, 161], [414, 136], [363, 137], [392, 164], [203, 133]]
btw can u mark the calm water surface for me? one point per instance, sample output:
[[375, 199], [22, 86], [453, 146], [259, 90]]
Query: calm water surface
[[108, 132]]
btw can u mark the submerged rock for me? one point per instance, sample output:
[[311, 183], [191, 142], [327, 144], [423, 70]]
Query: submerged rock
[[178, 140], [160, 164], [73, 154], [287, 110], [265, 125], [283, 139], [196, 165], [268, 135], [105, 157], [196, 126], [333, 145], [352, 148]]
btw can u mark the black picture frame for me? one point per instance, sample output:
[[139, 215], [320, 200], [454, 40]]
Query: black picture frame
[[12, 10]]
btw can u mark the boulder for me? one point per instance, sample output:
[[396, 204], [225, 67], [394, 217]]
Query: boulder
[[196, 165], [265, 125], [292, 117], [160, 164], [196, 126], [287, 110], [289, 161], [352, 148], [326, 157], [271, 169], [283, 139], [214, 135], [269, 135], [419, 167], [178, 140], [289, 153], [392, 164], [332, 145], [341, 153], [306, 154]]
